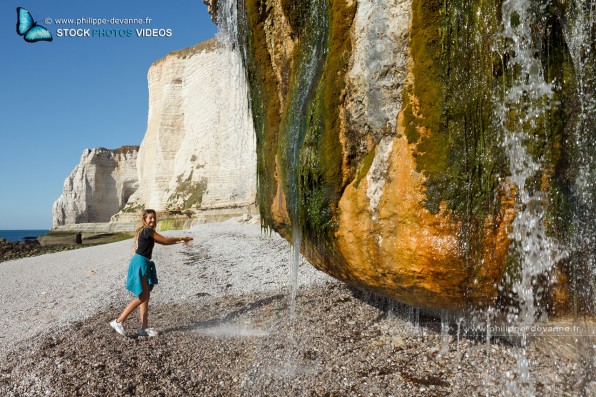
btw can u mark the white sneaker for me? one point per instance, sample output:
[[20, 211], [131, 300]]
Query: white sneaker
[[147, 332], [118, 327]]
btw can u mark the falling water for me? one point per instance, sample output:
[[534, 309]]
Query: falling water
[[295, 262], [310, 69], [523, 107], [417, 323], [579, 36], [295, 128], [227, 21], [488, 332], [444, 331], [529, 94], [487, 349], [304, 87], [459, 321], [522, 110]]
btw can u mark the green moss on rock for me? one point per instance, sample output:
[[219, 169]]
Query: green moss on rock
[[131, 207], [321, 159], [264, 103], [188, 193]]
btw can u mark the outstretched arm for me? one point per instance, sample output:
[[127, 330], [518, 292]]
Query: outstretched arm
[[169, 240]]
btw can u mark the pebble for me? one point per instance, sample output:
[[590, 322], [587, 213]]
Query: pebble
[[182, 361], [316, 354]]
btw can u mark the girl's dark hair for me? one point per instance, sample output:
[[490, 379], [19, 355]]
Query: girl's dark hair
[[143, 225]]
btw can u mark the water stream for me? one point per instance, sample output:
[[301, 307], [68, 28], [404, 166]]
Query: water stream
[[311, 60], [522, 111], [311, 66], [580, 37]]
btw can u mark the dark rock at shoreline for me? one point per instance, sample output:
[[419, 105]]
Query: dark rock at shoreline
[[10, 250], [53, 238]]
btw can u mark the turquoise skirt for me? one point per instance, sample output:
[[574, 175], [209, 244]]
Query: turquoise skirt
[[138, 268]]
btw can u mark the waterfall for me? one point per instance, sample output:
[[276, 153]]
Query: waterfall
[[580, 36], [522, 110], [522, 113], [301, 95], [230, 18], [295, 130], [518, 97], [226, 19]]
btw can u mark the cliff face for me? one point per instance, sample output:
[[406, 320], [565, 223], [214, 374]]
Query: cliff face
[[199, 148], [424, 153], [98, 187], [198, 152]]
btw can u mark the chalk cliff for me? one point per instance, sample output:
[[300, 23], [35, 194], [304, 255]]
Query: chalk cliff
[[199, 148], [98, 187], [197, 156]]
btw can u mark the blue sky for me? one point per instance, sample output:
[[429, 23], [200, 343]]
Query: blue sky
[[58, 98]]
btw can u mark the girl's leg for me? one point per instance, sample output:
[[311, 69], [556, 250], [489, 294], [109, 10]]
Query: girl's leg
[[144, 309], [144, 297]]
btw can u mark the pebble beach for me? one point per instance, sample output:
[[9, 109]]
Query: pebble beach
[[228, 327]]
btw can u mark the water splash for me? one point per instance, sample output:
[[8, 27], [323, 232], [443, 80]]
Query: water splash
[[292, 347], [444, 331], [231, 330], [522, 112], [580, 35]]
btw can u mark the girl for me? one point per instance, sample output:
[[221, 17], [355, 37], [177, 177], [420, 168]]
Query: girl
[[142, 275]]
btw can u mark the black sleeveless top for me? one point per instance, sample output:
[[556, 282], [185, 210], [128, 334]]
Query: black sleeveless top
[[145, 243]]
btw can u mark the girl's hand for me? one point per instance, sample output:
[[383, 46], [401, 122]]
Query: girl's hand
[[186, 239]]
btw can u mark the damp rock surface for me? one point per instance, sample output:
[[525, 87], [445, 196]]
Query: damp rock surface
[[11, 250]]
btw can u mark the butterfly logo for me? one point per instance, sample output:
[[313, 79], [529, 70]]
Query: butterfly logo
[[28, 28]]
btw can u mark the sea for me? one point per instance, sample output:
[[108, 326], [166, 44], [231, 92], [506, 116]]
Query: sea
[[21, 235]]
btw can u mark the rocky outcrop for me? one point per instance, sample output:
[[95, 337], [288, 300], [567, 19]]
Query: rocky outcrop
[[376, 74], [199, 148], [408, 145], [98, 187]]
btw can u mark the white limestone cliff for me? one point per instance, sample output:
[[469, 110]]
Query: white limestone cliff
[[199, 148], [98, 187], [198, 152]]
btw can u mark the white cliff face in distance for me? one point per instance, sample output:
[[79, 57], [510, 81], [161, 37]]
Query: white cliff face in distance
[[98, 187], [199, 148]]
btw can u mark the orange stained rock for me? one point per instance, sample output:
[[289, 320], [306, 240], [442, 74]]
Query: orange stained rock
[[279, 212], [408, 253], [488, 272]]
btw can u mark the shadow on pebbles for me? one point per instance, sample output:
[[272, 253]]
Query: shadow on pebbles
[[334, 341]]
